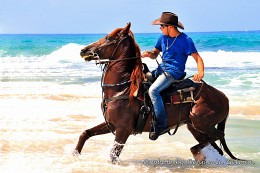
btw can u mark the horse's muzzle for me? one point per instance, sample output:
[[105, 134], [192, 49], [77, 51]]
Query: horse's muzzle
[[83, 53], [88, 55]]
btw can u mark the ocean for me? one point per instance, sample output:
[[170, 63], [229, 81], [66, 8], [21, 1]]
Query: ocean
[[49, 95]]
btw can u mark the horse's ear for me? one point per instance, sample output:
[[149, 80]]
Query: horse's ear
[[127, 28], [128, 25]]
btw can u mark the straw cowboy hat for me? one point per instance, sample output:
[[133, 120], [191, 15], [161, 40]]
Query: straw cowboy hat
[[168, 18]]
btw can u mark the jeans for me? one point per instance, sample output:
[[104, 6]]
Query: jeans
[[160, 84]]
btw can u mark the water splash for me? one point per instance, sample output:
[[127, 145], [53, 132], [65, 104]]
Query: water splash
[[212, 157]]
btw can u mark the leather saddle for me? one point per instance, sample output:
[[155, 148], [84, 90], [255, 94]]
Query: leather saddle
[[174, 94]]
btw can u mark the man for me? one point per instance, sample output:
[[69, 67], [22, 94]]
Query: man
[[175, 47]]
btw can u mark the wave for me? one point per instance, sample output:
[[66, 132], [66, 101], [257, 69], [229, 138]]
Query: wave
[[221, 59], [65, 66], [233, 72], [231, 59], [69, 53]]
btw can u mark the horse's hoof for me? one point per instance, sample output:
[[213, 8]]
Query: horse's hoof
[[75, 153], [198, 156], [114, 160]]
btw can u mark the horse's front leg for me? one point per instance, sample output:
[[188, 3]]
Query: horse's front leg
[[121, 137], [97, 130]]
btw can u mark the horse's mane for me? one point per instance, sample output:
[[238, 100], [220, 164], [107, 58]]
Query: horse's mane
[[115, 32], [137, 73]]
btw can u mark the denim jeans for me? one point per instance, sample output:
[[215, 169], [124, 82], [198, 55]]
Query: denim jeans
[[160, 84]]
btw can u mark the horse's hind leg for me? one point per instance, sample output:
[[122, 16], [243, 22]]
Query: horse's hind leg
[[203, 140], [97, 130]]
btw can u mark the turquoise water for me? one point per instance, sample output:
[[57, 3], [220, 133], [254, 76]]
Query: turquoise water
[[38, 45], [239, 41]]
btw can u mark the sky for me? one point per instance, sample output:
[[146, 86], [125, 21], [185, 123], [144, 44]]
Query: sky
[[103, 16]]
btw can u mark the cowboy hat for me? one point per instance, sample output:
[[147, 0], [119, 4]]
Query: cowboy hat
[[168, 18]]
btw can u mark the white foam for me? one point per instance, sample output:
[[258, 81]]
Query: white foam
[[228, 59], [69, 52], [220, 59], [212, 157]]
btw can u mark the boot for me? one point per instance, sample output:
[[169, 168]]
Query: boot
[[156, 131]]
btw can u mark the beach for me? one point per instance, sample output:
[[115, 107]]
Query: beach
[[49, 95]]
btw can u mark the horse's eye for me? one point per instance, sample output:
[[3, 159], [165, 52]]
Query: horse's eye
[[111, 39]]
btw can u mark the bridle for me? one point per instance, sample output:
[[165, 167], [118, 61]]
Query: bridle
[[100, 61], [105, 63]]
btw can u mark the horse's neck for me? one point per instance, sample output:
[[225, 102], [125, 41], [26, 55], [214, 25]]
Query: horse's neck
[[117, 72], [120, 71], [117, 78]]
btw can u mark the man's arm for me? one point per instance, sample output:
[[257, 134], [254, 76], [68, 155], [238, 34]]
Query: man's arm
[[200, 66]]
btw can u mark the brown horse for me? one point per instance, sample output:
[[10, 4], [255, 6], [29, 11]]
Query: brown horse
[[122, 77]]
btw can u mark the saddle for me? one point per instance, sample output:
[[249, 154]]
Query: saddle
[[180, 92]]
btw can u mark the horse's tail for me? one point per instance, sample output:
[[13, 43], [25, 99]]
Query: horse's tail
[[221, 127]]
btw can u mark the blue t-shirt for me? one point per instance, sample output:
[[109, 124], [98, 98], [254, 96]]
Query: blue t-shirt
[[174, 59]]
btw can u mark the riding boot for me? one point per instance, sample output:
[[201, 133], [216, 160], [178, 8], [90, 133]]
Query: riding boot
[[156, 130], [153, 135]]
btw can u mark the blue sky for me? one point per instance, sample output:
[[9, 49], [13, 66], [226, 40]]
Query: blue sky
[[102, 16]]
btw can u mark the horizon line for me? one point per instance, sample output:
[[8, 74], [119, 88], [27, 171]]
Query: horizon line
[[134, 33]]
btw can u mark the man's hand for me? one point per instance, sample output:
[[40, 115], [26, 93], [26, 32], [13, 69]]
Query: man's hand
[[145, 54], [151, 54], [198, 77]]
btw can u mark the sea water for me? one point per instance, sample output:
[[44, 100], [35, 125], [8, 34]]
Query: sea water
[[49, 95]]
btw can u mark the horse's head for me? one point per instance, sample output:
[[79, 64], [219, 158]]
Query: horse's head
[[106, 47]]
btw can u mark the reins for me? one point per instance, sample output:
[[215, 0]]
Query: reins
[[106, 61]]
